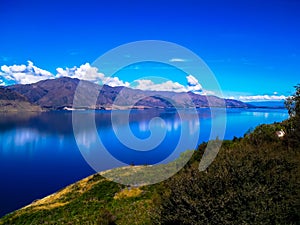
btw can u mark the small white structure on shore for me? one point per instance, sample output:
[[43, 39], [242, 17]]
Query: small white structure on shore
[[68, 109], [280, 133]]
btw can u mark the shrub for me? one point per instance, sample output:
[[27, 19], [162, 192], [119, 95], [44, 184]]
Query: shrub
[[244, 185]]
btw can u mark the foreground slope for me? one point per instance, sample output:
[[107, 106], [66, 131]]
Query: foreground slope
[[93, 200], [253, 180]]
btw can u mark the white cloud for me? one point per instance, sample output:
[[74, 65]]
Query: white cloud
[[37, 71], [193, 83], [114, 82], [84, 72], [177, 60], [165, 86], [231, 97], [89, 73], [207, 92], [27, 74], [262, 98], [2, 83], [14, 68], [24, 74]]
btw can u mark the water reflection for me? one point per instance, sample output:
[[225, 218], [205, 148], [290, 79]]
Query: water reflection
[[156, 132]]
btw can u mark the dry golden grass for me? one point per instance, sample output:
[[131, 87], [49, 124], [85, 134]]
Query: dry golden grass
[[122, 171], [128, 193], [58, 199]]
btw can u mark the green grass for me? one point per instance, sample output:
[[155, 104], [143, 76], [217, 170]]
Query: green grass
[[90, 201]]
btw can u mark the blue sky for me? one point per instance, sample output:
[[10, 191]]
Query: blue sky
[[252, 47]]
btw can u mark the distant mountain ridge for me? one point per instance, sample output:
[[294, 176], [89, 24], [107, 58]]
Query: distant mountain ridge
[[269, 104], [58, 94]]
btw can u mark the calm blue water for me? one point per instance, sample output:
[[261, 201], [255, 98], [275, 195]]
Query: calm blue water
[[39, 154]]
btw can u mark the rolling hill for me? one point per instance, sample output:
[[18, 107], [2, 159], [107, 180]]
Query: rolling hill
[[57, 94]]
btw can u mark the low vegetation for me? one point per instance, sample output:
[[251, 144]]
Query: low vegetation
[[253, 180], [248, 183]]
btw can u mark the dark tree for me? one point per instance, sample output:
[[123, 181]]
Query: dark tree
[[292, 104]]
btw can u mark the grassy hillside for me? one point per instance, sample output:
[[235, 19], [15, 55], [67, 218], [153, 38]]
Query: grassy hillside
[[93, 200], [253, 180]]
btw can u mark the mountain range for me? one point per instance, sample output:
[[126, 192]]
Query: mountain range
[[58, 94]]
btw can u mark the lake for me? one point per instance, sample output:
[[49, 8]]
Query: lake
[[39, 153]]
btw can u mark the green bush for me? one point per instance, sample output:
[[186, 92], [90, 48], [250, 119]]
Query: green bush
[[254, 181]]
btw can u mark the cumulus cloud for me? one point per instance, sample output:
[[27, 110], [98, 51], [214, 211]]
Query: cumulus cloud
[[207, 92], [192, 85], [192, 81], [177, 60], [27, 74], [165, 86], [114, 82], [24, 74], [262, 98], [89, 73], [14, 68], [84, 72]]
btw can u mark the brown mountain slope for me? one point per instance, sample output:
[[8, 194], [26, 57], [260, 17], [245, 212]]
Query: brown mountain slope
[[11, 101], [59, 93]]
